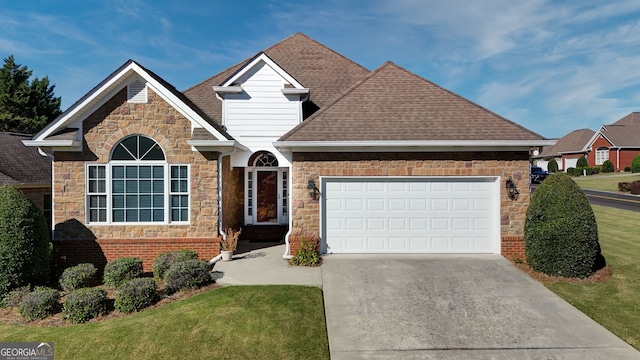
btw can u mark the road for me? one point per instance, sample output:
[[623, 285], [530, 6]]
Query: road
[[610, 199]]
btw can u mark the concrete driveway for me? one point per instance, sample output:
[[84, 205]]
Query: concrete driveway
[[449, 306]]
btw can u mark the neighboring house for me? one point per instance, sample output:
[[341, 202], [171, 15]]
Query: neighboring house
[[618, 142], [26, 169], [298, 137], [567, 150]]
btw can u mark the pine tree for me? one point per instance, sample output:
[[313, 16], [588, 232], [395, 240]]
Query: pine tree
[[25, 106]]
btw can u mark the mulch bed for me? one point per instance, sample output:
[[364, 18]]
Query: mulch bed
[[599, 276], [11, 316]]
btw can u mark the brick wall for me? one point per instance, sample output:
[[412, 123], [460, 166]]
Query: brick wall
[[102, 130], [305, 212]]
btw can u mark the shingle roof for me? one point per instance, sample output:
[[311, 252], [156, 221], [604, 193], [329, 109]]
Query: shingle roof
[[631, 119], [622, 135], [392, 103], [312, 64], [574, 141], [21, 165]]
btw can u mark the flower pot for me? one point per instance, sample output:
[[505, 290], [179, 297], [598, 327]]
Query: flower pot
[[227, 255]]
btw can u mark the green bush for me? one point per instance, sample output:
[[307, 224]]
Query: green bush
[[635, 187], [560, 234], [39, 303], [165, 260], [25, 249], [14, 297], [570, 171], [582, 162], [627, 168], [552, 166], [187, 274], [607, 166], [635, 164], [624, 186], [121, 270], [85, 304], [308, 254], [79, 276], [136, 294]]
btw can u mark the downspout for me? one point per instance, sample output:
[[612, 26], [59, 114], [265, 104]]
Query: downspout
[[220, 230], [618, 160], [51, 157]]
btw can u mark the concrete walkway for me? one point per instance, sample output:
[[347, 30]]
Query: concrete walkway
[[261, 263]]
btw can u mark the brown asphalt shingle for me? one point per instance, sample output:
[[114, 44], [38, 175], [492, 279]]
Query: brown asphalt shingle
[[21, 165], [392, 103], [574, 141], [312, 64]]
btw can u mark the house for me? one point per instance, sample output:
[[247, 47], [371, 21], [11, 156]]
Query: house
[[26, 169], [618, 142], [296, 137], [567, 150]]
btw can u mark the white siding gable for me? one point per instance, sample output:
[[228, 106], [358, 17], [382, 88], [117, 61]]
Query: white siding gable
[[261, 112]]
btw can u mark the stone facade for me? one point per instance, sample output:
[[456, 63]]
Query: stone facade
[[306, 166], [102, 130]]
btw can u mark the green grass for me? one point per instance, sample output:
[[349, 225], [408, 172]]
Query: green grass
[[236, 322], [606, 182], [614, 303]]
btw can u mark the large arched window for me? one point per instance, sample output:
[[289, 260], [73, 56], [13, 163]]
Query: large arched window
[[137, 186]]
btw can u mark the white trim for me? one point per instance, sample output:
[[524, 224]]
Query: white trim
[[412, 145], [103, 94], [263, 57], [253, 218], [215, 145], [496, 190], [228, 89], [291, 91]]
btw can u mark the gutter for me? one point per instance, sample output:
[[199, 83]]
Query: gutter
[[220, 230], [286, 254]]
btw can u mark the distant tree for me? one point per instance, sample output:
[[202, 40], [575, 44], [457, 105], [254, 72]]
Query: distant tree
[[582, 162], [552, 166], [635, 164], [25, 106]]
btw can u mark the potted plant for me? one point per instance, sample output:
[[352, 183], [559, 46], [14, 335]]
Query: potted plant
[[229, 243]]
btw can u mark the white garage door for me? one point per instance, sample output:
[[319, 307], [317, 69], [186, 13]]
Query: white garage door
[[410, 215]]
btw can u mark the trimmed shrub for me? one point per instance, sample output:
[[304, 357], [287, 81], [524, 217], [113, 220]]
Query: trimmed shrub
[[624, 186], [582, 162], [136, 294], [635, 187], [560, 234], [165, 260], [627, 168], [635, 164], [187, 274], [25, 249], [79, 276], [85, 304], [121, 270], [570, 171], [39, 303], [308, 254], [607, 166], [552, 166], [14, 297]]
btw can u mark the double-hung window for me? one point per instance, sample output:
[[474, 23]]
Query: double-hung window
[[137, 186], [602, 155]]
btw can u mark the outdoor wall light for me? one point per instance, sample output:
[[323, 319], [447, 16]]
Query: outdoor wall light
[[314, 193], [512, 190]]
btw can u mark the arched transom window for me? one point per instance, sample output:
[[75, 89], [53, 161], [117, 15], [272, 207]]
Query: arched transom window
[[266, 159], [137, 186]]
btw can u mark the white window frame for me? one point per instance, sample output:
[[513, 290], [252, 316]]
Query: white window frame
[[109, 193], [602, 155]]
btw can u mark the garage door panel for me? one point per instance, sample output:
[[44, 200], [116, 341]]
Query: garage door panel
[[404, 215]]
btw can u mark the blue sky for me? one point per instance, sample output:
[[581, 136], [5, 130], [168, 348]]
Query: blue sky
[[551, 66]]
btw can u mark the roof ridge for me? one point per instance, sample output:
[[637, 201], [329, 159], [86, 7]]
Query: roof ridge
[[471, 102]]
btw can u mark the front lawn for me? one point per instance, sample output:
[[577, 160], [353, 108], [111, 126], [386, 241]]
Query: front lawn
[[236, 322], [615, 302], [606, 182]]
